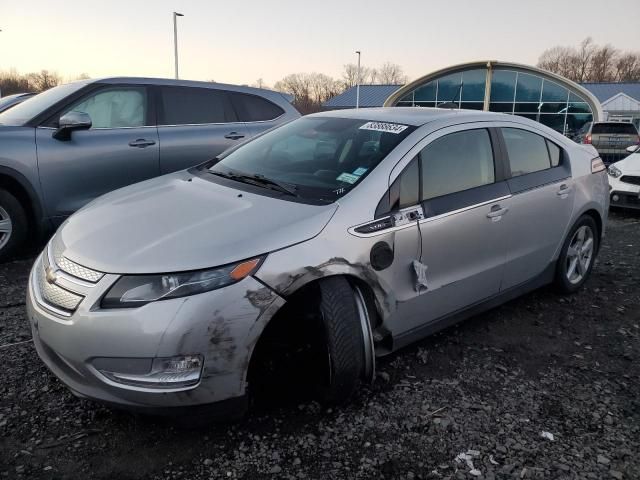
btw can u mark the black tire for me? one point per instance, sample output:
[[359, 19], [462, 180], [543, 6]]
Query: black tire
[[344, 341], [11, 207], [562, 282]]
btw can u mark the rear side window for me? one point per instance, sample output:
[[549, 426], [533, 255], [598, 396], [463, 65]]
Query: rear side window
[[527, 151], [252, 108], [457, 162], [193, 106], [614, 127]]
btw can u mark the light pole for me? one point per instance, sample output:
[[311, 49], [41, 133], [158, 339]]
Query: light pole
[[358, 82], [175, 39]]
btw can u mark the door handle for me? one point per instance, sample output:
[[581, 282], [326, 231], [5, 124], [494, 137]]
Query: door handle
[[564, 190], [141, 143], [497, 211], [234, 136]]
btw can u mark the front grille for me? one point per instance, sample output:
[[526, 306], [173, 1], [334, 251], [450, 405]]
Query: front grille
[[70, 267], [54, 295], [632, 179]]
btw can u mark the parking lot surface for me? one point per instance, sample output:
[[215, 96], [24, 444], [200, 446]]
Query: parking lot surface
[[543, 387]]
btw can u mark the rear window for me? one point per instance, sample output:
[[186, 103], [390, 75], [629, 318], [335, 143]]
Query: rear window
[[193, 106], [252, 108], [614, 127]]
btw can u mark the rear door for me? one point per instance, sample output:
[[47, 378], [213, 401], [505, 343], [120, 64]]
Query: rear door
[[120, 148], [541, 205], [195, 125]]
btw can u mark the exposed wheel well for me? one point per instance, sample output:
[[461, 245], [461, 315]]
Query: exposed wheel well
[[285, 357], [598, 219], [14, 187]]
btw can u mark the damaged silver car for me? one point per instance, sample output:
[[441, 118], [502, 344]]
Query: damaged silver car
[[322, 244]]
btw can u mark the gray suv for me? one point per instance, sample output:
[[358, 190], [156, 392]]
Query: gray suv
[[65, 147]]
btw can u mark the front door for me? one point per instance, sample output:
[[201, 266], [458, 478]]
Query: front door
[[120, 148], [195, 125], [465, 208]]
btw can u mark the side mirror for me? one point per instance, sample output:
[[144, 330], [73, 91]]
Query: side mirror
[[69, 122], [633, 148]]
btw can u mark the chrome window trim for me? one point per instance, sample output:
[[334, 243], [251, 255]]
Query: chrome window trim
[[352, 230], [222, 123], [103, 128]]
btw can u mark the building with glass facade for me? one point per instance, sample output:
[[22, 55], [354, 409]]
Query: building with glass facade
[[507, 88]]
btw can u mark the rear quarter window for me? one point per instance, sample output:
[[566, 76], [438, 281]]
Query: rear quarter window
[[252, 108]]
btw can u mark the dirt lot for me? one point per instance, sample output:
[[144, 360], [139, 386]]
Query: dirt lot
[[487, 388]]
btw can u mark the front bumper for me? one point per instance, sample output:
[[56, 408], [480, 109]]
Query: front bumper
[[625, 195], [221, 325]]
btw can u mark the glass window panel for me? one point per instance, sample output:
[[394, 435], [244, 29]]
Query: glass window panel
[[457, 162], [528, 88], [426, 93], [552, 92], [251, 108], [501, 107], [410, 184], [553, 107], [530, 116], [575, 98], [472, 105], [115, 108], [553, 121], [193, 106], [449, 88], [425, 104], [502, 86], [554, 153], [473, 83], [575, 123], [404, 104], [526, 107], [527, 151], [407, 98], [579, 107]]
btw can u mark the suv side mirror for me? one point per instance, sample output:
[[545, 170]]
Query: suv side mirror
[[69, 122], [633, 148]]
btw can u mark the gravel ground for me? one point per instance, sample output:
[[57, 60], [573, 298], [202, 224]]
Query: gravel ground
[[470, 402]]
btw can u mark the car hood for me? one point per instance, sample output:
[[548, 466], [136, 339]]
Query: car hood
[[184, 222], [630, 165]]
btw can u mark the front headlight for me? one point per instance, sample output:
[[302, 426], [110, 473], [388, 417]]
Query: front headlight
[[137, 290], [614, 171]]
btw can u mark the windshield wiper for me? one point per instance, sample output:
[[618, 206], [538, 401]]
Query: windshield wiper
[[260, 181]]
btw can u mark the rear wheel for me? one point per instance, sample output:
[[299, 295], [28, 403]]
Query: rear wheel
[[577, 256], [13, 225]]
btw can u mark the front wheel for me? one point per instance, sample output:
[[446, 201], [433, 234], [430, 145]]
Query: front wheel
[[577, 256]]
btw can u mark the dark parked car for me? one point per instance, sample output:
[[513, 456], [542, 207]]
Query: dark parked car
[[12, 100], [611, 139], [75, 142]]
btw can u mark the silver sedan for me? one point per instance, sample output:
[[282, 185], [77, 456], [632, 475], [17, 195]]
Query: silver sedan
[[315, 248]]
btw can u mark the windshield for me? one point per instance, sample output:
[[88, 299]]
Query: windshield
[[322, 158], [25, 111]]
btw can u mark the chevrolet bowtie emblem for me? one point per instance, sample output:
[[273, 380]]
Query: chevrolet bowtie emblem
[[50, 275]]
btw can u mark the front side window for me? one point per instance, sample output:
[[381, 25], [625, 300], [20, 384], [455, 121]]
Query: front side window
[[252, 108], [527, 151], [320, 157], [194, 106], [115, 108], [456, 162]]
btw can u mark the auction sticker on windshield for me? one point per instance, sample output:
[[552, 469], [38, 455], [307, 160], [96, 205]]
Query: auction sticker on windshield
[[348, 178], [384, 127]]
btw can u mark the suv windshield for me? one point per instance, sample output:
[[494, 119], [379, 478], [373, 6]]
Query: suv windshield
[[614, 127], [25, 111], [318, 158]]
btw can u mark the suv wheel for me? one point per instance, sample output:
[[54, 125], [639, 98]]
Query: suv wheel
[[577, 256], [13, 224]]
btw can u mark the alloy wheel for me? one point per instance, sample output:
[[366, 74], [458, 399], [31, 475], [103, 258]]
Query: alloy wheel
[[6, 227], [579, 255]]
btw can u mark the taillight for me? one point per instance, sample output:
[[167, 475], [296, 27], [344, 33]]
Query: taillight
[[597, 165], [587, 139]]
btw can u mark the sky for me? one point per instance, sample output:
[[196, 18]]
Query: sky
[[241, 41]]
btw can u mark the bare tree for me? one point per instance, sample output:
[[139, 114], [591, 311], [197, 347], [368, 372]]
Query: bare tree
[[298, 85], [628, 67], [260, 83], [602, 64], [390, 74], [12, 82], [44, 80], [350, 75]]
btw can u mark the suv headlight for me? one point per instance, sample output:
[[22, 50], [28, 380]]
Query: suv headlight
[[614, 171], [137, 290]]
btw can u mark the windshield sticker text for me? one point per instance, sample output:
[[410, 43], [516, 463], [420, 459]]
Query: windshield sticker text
[[348, 178], [359, 171], [384, 127]]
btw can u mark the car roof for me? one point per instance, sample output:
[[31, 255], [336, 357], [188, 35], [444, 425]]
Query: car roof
[[415, 116]]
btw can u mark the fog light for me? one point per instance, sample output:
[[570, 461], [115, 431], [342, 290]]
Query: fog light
[[174, 372], [616, 198]]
